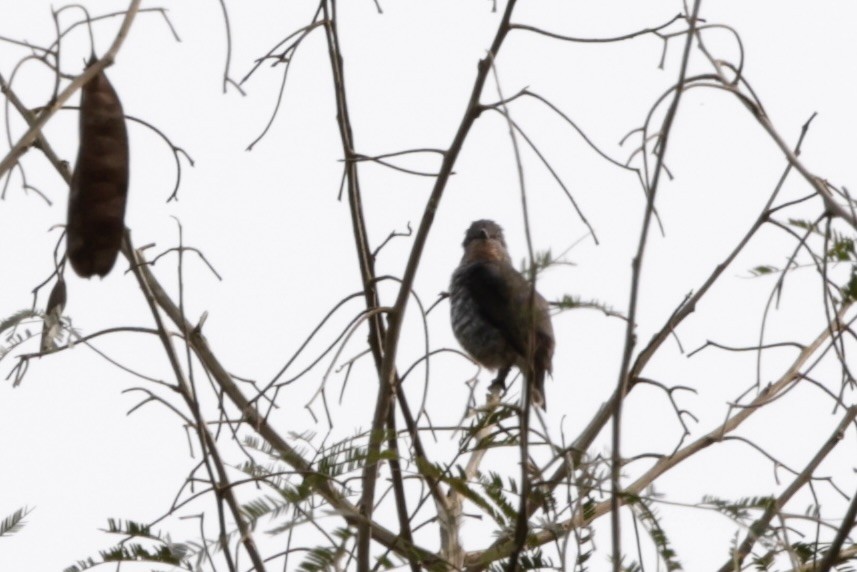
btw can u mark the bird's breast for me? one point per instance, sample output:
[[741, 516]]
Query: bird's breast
[[482, 340]]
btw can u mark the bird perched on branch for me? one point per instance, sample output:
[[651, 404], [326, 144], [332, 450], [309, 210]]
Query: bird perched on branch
[[496, 315]]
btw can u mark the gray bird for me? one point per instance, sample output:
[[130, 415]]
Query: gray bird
[[490, 309]]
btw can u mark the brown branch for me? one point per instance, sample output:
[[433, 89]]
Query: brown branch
[[522, 518], [834, 555], [40, 142], [636, 272], [685, 309], [576, 39], [222, 490], [758, 528], [396, 318], [818, 184], [398, 486], [260, 425], [367, 275], [480, 559]]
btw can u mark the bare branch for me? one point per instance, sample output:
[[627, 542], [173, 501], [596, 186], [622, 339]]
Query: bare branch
[[107, 59]]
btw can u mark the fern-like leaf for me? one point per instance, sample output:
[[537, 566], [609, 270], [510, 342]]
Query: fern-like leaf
[[14, 522]]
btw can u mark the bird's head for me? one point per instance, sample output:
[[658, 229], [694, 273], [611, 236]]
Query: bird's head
[[484, 241]]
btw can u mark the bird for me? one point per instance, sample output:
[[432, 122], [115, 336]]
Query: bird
[[497, 317]]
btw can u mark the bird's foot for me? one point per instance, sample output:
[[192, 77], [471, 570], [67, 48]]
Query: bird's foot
[[498, 386]]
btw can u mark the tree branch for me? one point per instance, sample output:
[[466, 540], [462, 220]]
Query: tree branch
[[260, 425], [758, 528], [107, 59], [480, 559], [636, 272]]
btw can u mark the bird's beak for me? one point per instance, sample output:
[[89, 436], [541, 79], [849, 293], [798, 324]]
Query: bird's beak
[[484, 233]]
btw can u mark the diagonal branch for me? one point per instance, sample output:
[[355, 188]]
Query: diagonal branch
[[36, 126], [260, 425], [40, 141], [818, 184], [480, 559], [222, 488], [834, 553], [390, 340], [685, 309], [758, 528]]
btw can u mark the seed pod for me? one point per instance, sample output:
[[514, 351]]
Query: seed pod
[[51, 327], [99, 185]]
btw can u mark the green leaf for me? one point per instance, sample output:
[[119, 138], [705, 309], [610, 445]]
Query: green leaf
[[842, 250], [165, 554], [849, 291], [14, 522], [650, 521], [165, 551], [762, 270], [805, 225]]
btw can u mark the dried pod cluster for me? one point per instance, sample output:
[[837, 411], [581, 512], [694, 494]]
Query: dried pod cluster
[[99, 185], [51, 326]]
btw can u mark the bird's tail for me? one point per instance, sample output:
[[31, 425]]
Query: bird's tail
[[537, 389]]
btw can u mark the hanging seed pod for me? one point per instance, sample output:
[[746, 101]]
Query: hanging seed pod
[[99, 185], [51, 327]]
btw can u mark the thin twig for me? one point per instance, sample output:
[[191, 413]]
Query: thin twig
[[107, 59], [758, 528], [636, 270]]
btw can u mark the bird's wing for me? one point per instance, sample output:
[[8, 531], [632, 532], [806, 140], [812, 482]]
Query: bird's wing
[[501, 295], [503, 299], [533, 314]]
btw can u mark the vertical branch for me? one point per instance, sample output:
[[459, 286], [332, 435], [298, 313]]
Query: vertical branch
[[367, 275], [384, 345], [398, 485], [396, 317], [228, 30], [585, 439], [636, 270], [521, 528], [355, 201], [471, 469], [384, 413]]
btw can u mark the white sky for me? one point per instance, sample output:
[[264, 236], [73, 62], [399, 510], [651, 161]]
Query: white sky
[[270, 223]]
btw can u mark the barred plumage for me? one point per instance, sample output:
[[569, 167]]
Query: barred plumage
[[490, 310]]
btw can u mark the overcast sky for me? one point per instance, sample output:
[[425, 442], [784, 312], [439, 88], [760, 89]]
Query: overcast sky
[[270, 223]]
